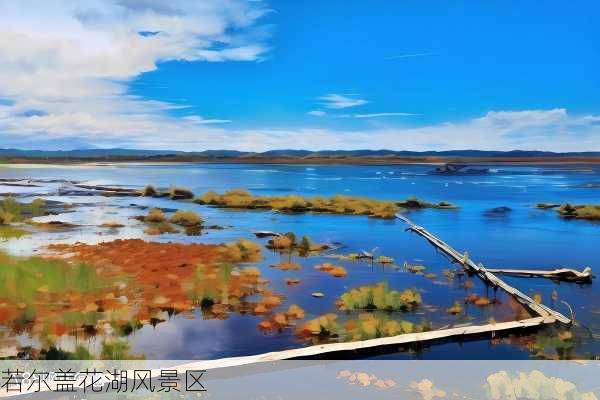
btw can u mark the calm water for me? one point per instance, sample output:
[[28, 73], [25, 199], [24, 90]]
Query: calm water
[[523, 237]]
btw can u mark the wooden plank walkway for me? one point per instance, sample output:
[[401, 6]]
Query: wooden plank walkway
[[543, 311]]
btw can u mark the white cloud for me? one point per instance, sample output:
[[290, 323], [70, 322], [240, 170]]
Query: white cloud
[[66, 64], [338, 101], [378, 115], [551, 130], [365, 379], [426, 389], [532, 386], [65, 69]]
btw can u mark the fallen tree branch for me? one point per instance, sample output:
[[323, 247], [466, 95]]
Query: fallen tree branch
[[547, 313], [564, 274]]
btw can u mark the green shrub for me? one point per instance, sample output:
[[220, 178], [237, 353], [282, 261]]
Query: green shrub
[[379, 297], [13, 211]]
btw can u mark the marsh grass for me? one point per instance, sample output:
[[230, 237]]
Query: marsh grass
[[587, 211], [180, 193], [25, 279], [112, 224], [289, 244], [158, 228], [155, 215], [242, 250], [149, 191], [186, 218], [339, 204], [379, 297], [13, 211], [365, 326], [11, 232], [456, 308], [416, 203]]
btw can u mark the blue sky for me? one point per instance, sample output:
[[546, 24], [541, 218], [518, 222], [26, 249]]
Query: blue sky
[[416, 75]]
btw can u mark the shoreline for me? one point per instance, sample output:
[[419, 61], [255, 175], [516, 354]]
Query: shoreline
[[358, 161]]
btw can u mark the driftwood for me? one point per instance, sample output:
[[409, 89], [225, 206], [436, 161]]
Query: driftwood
[[311, 351], [543, 311], [563, 274]]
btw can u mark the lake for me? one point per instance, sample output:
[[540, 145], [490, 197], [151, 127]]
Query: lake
[[496, 221]]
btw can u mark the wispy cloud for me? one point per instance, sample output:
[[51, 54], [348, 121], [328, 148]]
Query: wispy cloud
[[338, 101], [400, 56], [70, 74], [378, 115], [317, 113], [196, 119]]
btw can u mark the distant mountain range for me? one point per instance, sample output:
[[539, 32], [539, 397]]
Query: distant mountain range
[[119, 153]]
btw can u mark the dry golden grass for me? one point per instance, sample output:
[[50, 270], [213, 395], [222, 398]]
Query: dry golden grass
[[587, 211], [239, 198], [155, 215], [455, 309], [149, 191], [111, 224], [158, 228], [179, 193], [186, 218]]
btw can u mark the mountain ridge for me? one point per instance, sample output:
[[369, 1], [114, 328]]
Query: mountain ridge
[[282, 153]]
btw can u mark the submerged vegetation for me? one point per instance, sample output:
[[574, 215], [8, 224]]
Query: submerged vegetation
[[415, 203], [11, 232], [13, 211], [365, 326], [334, 270], [288, 243], [379, 297]]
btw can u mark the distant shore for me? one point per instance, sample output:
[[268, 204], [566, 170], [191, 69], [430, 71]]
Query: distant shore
[[321, 160]]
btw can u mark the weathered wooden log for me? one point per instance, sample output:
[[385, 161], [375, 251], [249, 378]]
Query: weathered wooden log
[[539, 309], [311, 351], [563, 274]]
